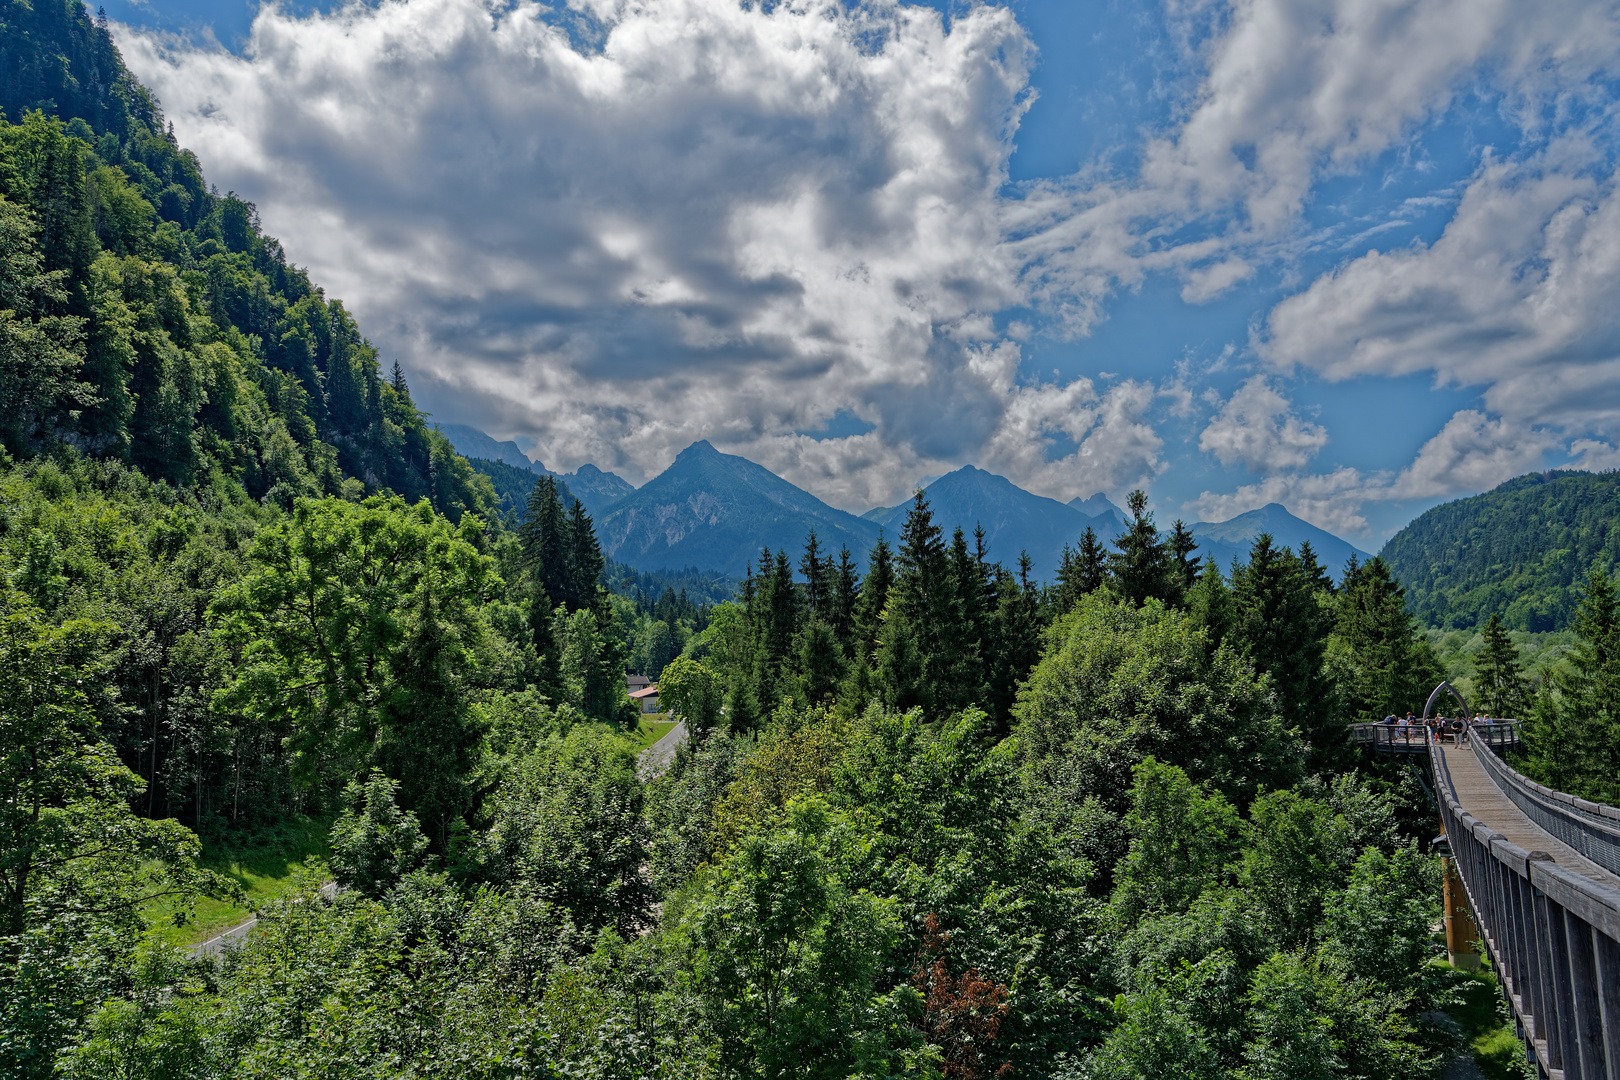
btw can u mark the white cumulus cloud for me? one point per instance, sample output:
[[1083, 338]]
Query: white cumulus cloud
[[717, 221], [1256, 427], [1515, 296]]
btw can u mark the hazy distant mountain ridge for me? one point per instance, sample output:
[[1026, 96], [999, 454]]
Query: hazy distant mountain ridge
[[470, 442], [1522, 549], [1014, 520], [1232, 539], [598, 490], [1098, 506], [716, 511]]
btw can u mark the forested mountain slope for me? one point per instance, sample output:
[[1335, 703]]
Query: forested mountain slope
[[150, 320], [1522, 550]]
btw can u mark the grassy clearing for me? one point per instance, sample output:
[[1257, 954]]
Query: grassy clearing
[[1485, 1022], [265, 863], [649, 729]]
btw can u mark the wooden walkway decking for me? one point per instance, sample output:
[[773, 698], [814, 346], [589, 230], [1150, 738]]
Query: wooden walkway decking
[[1479, 794]]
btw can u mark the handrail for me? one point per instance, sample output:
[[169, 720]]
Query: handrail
[[1414, 738], [1400, 739], [1495, 732], [1593, 829], [1554, 937]]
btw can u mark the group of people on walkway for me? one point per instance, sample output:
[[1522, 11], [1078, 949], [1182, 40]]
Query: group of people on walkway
[[1435, 726]]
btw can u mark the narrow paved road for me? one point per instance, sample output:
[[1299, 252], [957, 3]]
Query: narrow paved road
[[656, 758], [230, 939]]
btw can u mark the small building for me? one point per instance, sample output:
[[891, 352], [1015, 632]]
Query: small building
[[646, 698], [632, 683]]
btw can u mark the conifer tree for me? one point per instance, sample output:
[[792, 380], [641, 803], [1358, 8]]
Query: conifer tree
[[427, 738], [1281, 628], [1211, 605], [776, 626], [1080, 572], [585, 562], [1183, 567], [547, 552], [1017, 637], [820, 664], [1499, 681], [844, 601], [1141, 566], [1574, 736], [874, 597], [813, 568], [1387, 665], [1312, 568], [1066, 591], [1092, 562], [925, 617], [969, 579]]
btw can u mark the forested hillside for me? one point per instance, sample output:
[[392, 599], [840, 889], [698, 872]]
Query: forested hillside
[[148, 319], [1522, 550]]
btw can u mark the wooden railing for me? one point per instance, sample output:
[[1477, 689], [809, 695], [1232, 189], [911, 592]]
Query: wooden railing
[[1592, 829], [1414, 738], [1553, 935], [1391, 738], [1497, 734]]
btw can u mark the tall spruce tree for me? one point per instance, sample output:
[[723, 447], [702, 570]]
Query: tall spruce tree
[[1141, 567], [874, 597], [1279, 625], [1574, 735], [1499, 682], [777, 622], [1211, 605], [1384, 663], [1183, 567], [926, 617], [1016, 633], [585, 562], [1081, 572], [547, 546], [813, 567], [843, 603]]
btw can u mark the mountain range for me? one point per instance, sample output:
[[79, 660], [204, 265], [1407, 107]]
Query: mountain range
[[1014, 520], [715, 512], [598, 490], [1230, 540]]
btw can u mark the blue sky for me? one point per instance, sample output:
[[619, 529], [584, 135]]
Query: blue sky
[[1353, 256]]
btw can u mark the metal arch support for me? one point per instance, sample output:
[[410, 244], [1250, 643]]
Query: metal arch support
[[1445, 687]]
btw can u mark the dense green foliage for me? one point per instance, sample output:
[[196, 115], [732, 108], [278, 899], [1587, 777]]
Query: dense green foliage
[[1522, 551], [1573, 738], [932, 823]]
